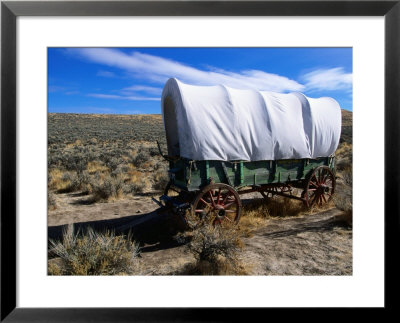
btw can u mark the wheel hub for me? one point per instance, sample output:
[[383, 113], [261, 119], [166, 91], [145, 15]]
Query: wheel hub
[[221, 213], [323, 189]]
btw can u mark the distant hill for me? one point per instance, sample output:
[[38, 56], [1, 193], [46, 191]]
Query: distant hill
[[347, 127]]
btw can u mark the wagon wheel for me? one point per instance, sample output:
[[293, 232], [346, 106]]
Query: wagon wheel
[[320, 187], [215, 204]]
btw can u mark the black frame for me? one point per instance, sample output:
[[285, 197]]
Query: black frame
[[10, 10]]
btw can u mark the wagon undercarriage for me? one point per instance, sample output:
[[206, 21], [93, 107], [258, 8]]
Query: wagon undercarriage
[[220, 203]]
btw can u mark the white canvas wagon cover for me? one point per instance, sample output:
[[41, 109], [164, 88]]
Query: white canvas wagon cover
[[222, 123]]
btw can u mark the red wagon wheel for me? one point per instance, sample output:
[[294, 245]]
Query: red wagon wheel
[[320, 187], [216, 204]]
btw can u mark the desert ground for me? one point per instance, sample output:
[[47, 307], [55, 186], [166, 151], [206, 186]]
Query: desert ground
[[105, 169]]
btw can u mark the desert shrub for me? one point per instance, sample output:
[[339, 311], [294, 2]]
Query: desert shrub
[[94, 167], [160, 178], [63, 182], [344, 156], [113, 163], [120, 170], [347, 175], [160, 164], [142, 157], [74, 181], [153, 151], [54, 269], [94, 253], [343, 195], [343, 198], [103, 189], [75, 161], [216, 250], [343, 202], [134, 187]]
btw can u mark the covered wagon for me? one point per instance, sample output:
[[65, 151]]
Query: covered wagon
[[224, 142]]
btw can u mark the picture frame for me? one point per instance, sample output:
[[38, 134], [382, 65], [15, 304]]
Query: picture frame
[[10, 10]]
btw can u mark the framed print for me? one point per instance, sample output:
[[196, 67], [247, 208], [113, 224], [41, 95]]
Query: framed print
[[41, 37]]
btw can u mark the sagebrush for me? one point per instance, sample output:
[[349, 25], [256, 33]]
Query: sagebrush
[[216, 250], [94, 253]]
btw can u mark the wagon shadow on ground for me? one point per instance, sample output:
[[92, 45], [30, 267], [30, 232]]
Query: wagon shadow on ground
[[154, 230], [84, 198]]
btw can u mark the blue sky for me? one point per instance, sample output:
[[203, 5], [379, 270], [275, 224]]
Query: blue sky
[[130, 80]]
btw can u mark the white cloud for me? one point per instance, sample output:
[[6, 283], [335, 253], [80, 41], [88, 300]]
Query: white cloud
[[121, 97], [328, 79], [158, 69], [142, 88]]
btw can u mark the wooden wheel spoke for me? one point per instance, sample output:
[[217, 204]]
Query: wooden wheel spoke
[[327, 179], [317, 197], [219, 195], [206, 203], [313, 200], [230, 211], [226, 197], [229, 204], [212, 198]]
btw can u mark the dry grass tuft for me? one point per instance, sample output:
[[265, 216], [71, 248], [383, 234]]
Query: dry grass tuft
[[160, 179], [344, 149], [259, 212], [94, 253], [67, 181], [94, 167], [216, 250], [273, 207]]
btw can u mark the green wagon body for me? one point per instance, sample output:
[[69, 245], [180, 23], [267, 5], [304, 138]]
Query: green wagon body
[[211, 189], [193, 175]]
